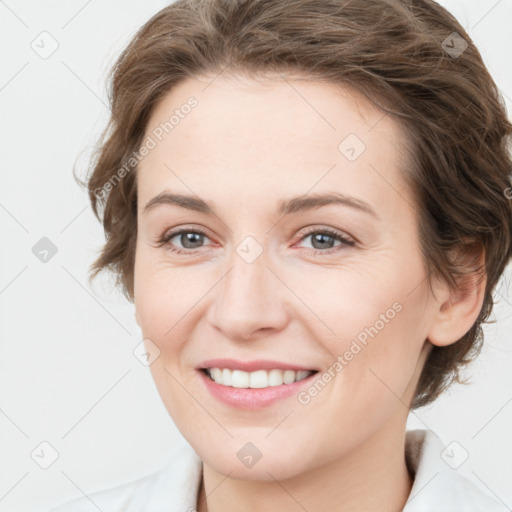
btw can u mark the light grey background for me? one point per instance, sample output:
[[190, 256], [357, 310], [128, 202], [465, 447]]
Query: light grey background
[[68, 376]]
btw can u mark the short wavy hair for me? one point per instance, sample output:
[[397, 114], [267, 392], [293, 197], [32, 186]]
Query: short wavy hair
[[403, 56]]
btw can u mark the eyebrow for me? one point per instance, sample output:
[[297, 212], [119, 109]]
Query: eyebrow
[[288, 206]]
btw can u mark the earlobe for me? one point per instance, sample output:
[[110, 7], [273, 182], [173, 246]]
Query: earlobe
[[457, 309]]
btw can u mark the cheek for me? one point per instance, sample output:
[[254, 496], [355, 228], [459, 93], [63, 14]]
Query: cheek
[[378, 363], [351, 303], [165, 296], [378, 325]]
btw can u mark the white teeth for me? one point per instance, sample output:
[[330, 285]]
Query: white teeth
[[226, 376], [275, 377], [257, 379], [239, 379]]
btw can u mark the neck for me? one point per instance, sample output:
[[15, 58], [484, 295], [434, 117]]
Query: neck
[[372, 477]]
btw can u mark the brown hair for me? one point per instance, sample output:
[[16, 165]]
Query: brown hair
[[399, 54]]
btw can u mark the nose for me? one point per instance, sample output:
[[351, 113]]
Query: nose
[[250, 300]]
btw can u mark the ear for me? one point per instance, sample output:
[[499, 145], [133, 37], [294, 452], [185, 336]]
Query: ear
[[456, 309]]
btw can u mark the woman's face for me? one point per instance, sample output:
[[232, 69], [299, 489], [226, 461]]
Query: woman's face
[[337, 287]]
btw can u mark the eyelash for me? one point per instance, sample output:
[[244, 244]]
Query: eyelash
[[165, 239]]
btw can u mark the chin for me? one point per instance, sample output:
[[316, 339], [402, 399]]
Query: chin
[[268, 463]]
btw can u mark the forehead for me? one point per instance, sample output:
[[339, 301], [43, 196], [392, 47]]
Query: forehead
[[265, 136]]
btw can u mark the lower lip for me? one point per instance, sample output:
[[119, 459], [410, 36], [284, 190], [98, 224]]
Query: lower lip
[[253, 398]]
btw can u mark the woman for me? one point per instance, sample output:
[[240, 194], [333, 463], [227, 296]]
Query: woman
[[308, 203]]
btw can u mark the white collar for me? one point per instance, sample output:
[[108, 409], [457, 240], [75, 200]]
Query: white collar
[[437, 486], [174, 487]]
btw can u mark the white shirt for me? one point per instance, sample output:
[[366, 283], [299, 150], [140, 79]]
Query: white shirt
[[174, 487]]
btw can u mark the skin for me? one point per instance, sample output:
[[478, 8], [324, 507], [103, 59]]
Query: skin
[[244, 148]]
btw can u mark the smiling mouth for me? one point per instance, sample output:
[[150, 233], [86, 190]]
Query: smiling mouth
[[256, 379]]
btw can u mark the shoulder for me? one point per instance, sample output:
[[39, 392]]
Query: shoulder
[[113, 499], [438, 483], [173, 486]]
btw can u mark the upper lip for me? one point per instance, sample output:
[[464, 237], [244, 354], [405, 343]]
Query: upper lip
[[250, 366]]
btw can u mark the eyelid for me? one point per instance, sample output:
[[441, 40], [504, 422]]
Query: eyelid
[[345, 239], [335, 233], [172, 232]]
